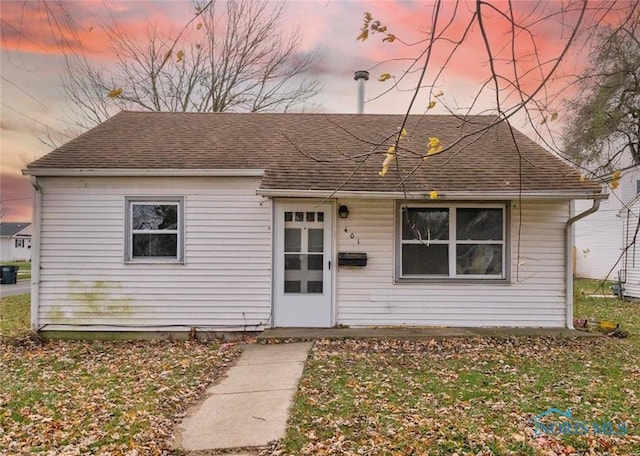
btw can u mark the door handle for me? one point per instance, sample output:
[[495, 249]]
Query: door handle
[[329, 265]]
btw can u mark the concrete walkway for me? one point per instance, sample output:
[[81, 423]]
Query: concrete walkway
[[250, 406]]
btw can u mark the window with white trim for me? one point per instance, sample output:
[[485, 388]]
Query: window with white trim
[[462, 241], [154, 229], [19, 244]]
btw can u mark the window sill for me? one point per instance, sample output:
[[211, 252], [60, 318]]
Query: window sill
[[450, 281], [154, 261]]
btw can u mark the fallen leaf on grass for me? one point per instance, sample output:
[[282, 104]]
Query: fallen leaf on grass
[[117, 398], [465, 396]]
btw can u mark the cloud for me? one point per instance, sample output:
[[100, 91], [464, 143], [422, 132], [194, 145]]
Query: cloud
[[521, 56], [15, 203], [67, 28], [39, 27], [15, 126]]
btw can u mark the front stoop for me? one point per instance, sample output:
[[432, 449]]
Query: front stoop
[[409, 332]]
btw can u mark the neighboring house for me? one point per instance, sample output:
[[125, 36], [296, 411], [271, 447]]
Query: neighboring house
[[630, 264], [15, 241], [240, 222], [599, 237]]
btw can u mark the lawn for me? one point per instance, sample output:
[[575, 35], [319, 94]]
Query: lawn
[[107, 398], [14, 316], [475, 396]]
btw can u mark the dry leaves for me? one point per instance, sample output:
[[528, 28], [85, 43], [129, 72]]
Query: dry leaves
[[461, 396], [105, 398]]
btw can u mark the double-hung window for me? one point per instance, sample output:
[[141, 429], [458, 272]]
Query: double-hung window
[[453, 241], [155, 229]]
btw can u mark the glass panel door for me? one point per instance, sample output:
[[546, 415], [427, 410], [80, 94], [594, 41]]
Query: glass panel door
[[303, 252], [303, 295]]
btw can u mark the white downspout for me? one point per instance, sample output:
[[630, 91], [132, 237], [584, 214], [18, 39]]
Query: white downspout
[[35, 252], [569, 262]]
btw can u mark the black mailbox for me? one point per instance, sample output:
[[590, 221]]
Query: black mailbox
[[352, 259]]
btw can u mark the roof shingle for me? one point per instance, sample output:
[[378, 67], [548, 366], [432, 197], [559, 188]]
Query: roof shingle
[[12, 228], [323, 151]]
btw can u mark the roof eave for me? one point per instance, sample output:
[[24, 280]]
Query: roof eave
[[454, 195], [140, 172]]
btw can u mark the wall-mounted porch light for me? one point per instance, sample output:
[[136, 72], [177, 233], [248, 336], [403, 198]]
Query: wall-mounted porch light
[[343, 211]]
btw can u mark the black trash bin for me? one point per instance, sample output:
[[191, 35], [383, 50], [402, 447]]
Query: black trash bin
[[8, 274]]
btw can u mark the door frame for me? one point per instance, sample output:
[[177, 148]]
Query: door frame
[[277, 225]]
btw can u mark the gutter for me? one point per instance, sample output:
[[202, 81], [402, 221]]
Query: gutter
[[36, 236], [444, 196], [569, 256], [143, 172]]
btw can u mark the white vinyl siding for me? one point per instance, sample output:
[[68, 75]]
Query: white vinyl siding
[[85, 283], [632, 284], [533, 297], [599, 239], [631, 258]]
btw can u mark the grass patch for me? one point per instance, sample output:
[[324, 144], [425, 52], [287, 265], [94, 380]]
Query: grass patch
[[472, 396], [23, 265], [626, 314], [15, 316], [101, 397], [75, 397]]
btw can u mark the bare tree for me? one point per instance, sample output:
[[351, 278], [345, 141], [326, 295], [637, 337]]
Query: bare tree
[[229, 57], [604, 128]]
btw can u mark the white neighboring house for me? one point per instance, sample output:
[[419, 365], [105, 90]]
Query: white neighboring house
[[599, 242], [173, 222], [15, 241], [630, 265]]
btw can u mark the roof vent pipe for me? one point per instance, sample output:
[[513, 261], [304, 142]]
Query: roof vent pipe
[[361, 76]]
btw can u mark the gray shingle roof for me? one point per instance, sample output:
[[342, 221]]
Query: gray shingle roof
[[322, 151], [11, 228]]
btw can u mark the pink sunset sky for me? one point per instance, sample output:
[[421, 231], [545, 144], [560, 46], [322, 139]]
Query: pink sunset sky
[[32, 64]]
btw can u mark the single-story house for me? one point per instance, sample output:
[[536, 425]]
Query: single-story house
[[599, 241], [15, 241], [169, 222]]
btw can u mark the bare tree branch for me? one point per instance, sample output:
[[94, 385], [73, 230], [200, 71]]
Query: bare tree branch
[[229, 56]]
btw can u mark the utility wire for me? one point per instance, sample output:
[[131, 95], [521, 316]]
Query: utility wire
[[23, 91], [34, 119]]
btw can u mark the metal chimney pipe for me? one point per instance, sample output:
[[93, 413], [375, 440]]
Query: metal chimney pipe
[[361, 76]]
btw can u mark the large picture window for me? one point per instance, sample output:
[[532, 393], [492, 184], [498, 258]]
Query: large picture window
[[154, 229], [456, 241]]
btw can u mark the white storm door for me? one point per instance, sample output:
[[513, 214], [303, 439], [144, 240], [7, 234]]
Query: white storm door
[[303, 288]]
